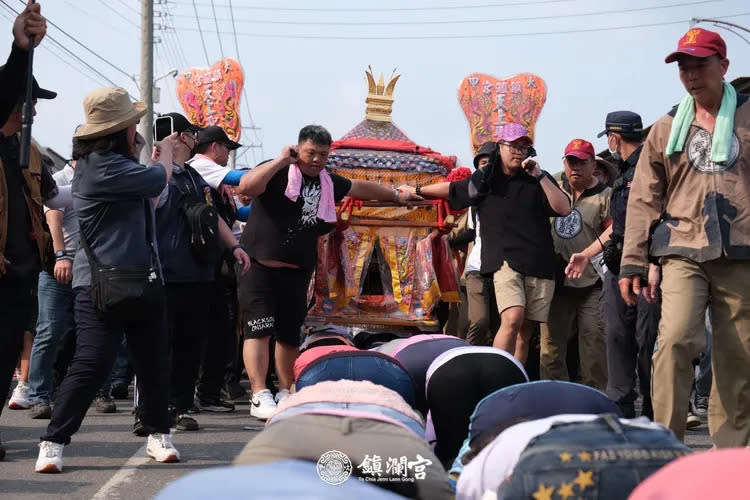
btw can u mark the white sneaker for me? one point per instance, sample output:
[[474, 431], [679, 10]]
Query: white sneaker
[[160, 448], [262, 405], [282, 395], [692, 421], [50, 457], [19, 400]]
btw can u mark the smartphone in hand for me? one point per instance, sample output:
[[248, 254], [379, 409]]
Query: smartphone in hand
[[163, 127]]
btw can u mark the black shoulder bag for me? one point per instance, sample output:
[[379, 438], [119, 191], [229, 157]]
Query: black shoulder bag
[[203, 222], [124, 290]]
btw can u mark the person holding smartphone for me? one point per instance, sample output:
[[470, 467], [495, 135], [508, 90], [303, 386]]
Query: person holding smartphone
[[113, 202], [190, 278], [516, 199]]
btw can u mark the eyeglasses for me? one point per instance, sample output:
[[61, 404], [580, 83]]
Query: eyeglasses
[[520, 149]]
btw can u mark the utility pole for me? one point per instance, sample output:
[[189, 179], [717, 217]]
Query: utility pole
[[147, 73]]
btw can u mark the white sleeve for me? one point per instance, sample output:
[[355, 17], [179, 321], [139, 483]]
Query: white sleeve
[[63, 199], [212, 173]]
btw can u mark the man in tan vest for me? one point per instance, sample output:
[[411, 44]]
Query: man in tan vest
[[575, 306], [23, 239]]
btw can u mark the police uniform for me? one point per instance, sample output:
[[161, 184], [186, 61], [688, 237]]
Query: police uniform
[[630, 331]]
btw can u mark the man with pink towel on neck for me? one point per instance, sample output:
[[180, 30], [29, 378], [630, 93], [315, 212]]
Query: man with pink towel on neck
[[294, 201]]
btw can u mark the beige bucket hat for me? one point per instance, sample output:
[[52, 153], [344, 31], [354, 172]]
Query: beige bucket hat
[[108, 110]]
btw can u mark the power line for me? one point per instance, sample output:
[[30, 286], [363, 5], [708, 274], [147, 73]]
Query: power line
[[216, 22], [244, 91], [468, 21], [203, 41], [170, 31], [106, 61], [474, 36], [101, 19], [71, 53], [395, 9], [117, 12], [129, 8]]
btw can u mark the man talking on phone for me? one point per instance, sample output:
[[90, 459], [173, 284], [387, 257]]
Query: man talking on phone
[[515, 199], [293, 204]]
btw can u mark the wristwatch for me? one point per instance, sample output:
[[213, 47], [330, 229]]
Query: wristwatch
[[62, 254], [418, 191]]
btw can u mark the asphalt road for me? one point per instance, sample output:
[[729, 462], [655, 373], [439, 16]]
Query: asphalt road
[[106, 461]]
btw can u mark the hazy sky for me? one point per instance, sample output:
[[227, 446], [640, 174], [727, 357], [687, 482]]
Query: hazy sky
[[304, 61]]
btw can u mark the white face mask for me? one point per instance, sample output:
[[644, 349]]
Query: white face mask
[[615, 155]]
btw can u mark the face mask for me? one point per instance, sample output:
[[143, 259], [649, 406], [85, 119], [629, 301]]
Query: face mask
[[139, 144], [615, 155]]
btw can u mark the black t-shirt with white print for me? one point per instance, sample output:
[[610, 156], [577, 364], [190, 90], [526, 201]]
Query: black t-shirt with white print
[[280, 229]]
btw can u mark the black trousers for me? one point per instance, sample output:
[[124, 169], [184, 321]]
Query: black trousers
[[630, 336], [17, 303], [455, 388], [221, 348], [190, 327], [98, 338]]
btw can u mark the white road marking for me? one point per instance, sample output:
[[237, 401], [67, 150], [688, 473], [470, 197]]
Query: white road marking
[[122, 476]]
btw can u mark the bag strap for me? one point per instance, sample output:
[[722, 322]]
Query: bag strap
[[92, 260], [149, 238]]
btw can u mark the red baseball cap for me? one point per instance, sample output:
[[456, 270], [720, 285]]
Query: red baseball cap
[[698, 42], [580, 149]]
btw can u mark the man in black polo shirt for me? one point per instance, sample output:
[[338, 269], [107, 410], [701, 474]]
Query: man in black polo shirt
[[293, 204], [515, 199]]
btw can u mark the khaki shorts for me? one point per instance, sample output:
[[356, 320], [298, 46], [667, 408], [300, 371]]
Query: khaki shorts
[[514, 289]]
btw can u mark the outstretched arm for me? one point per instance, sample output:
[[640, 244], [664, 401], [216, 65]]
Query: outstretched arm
[[366, 190]]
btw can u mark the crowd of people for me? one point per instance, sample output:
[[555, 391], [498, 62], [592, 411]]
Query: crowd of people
[[586, 293]]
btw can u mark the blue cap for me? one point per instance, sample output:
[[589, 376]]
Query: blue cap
[[622, 122]]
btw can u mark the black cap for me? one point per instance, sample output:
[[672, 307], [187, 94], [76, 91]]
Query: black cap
[[214, 133], [622, 122], [486, 149], [178, 124], [36, 91]]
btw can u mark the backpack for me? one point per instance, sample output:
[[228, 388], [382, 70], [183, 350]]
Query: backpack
[[203, 221]]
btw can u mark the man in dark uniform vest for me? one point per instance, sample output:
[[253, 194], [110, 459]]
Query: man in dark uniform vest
[[630, 330]]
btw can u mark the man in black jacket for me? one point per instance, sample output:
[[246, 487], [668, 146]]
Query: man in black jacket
[[16, 222]]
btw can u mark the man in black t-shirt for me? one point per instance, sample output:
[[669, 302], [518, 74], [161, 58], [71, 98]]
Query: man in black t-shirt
[[293, 204], [515, 199]]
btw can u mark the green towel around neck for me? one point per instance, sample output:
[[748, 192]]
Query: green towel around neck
[[721, 141]]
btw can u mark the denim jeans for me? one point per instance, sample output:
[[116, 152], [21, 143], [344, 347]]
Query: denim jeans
[[372, 366], [601, 459], [54, 322], [122, 372], [319, 408]]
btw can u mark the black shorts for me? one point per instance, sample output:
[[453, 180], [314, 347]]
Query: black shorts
[[273, 301]]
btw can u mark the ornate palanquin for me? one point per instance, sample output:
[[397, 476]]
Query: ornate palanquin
[[385, 265]]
